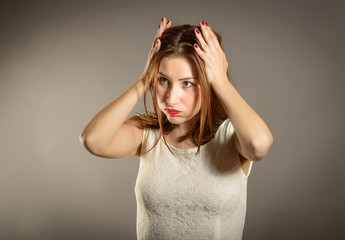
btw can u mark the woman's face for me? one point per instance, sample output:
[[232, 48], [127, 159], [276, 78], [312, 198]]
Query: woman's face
[[178, 92]]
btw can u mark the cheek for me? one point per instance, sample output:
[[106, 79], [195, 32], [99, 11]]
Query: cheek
[[160, 94], [194, 98]]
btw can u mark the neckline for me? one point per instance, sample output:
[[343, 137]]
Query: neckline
[[187, 150]]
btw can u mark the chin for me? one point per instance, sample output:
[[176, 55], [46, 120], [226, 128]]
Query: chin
[[174, 119], [177, 120]]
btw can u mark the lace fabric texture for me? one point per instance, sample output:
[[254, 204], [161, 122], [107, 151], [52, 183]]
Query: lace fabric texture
[[191, 197]]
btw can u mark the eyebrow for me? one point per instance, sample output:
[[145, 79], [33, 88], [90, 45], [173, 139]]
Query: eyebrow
[[187, 78]]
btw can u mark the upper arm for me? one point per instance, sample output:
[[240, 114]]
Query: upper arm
[[245, 162], [253, 152], [127, 141], [240, 149]]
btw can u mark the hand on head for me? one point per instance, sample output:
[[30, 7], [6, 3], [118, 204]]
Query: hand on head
[[161, 28], [211, 53], [165, 24], [209, 50]]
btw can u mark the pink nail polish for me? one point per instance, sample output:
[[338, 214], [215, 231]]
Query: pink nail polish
[[159, 26], [206, 24], [202, 22], [195, 45], [162, 19], [168, 22], [197, 31]]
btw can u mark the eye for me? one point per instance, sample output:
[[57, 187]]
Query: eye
[[188, 84], [163, 80]]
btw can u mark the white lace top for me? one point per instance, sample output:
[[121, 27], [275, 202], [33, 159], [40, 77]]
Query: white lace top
[[188, 196]]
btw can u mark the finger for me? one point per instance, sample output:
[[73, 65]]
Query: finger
[[158, 34], [157, 46], [201, 40], [199, 51], [168, 25], [213, 37], [205, 32], [162, 26], [165, 25]]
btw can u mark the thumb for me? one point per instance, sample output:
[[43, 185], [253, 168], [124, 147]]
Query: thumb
[[157, 45]]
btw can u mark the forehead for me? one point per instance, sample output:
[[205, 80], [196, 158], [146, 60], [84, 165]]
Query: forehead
[[178, 67]]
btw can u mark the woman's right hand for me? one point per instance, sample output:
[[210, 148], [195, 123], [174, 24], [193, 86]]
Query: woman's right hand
[[155, 46]]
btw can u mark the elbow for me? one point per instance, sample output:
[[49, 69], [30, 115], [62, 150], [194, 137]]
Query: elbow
[[85, 142], [94, 147], [262, 147]]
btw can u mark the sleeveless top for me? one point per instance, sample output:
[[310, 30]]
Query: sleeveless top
[[191, 197]]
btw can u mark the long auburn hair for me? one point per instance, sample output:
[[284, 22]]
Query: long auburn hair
[[178, 41]]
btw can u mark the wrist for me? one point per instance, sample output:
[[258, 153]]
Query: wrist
[[219, 80], [141, 83]]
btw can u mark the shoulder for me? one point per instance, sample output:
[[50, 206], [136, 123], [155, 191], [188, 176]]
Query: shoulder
[[136, 121], [227, 134], [225, 130], [145, 130], [132, 128], [135, 124]]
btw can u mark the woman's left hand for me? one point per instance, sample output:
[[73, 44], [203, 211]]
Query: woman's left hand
[[211, 53]]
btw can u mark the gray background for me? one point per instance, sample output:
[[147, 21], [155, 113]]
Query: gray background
[[63, 61]]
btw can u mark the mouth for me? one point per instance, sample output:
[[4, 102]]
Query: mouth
[[172, 111]]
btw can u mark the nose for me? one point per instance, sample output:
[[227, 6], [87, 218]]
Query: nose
[[172, 96]]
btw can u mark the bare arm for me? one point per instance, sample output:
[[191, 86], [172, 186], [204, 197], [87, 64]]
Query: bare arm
[[109, 134], [253, 138], [100, 132]]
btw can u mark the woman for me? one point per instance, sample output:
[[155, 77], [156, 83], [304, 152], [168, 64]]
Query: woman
[[196, 149]]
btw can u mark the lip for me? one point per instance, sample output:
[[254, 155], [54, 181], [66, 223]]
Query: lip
[[172, 111]]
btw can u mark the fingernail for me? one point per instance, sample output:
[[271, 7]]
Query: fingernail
[[206, 24], [196, 45], [159, 26], [202, 22], [197, 31], [162, 19], [168, 22]]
